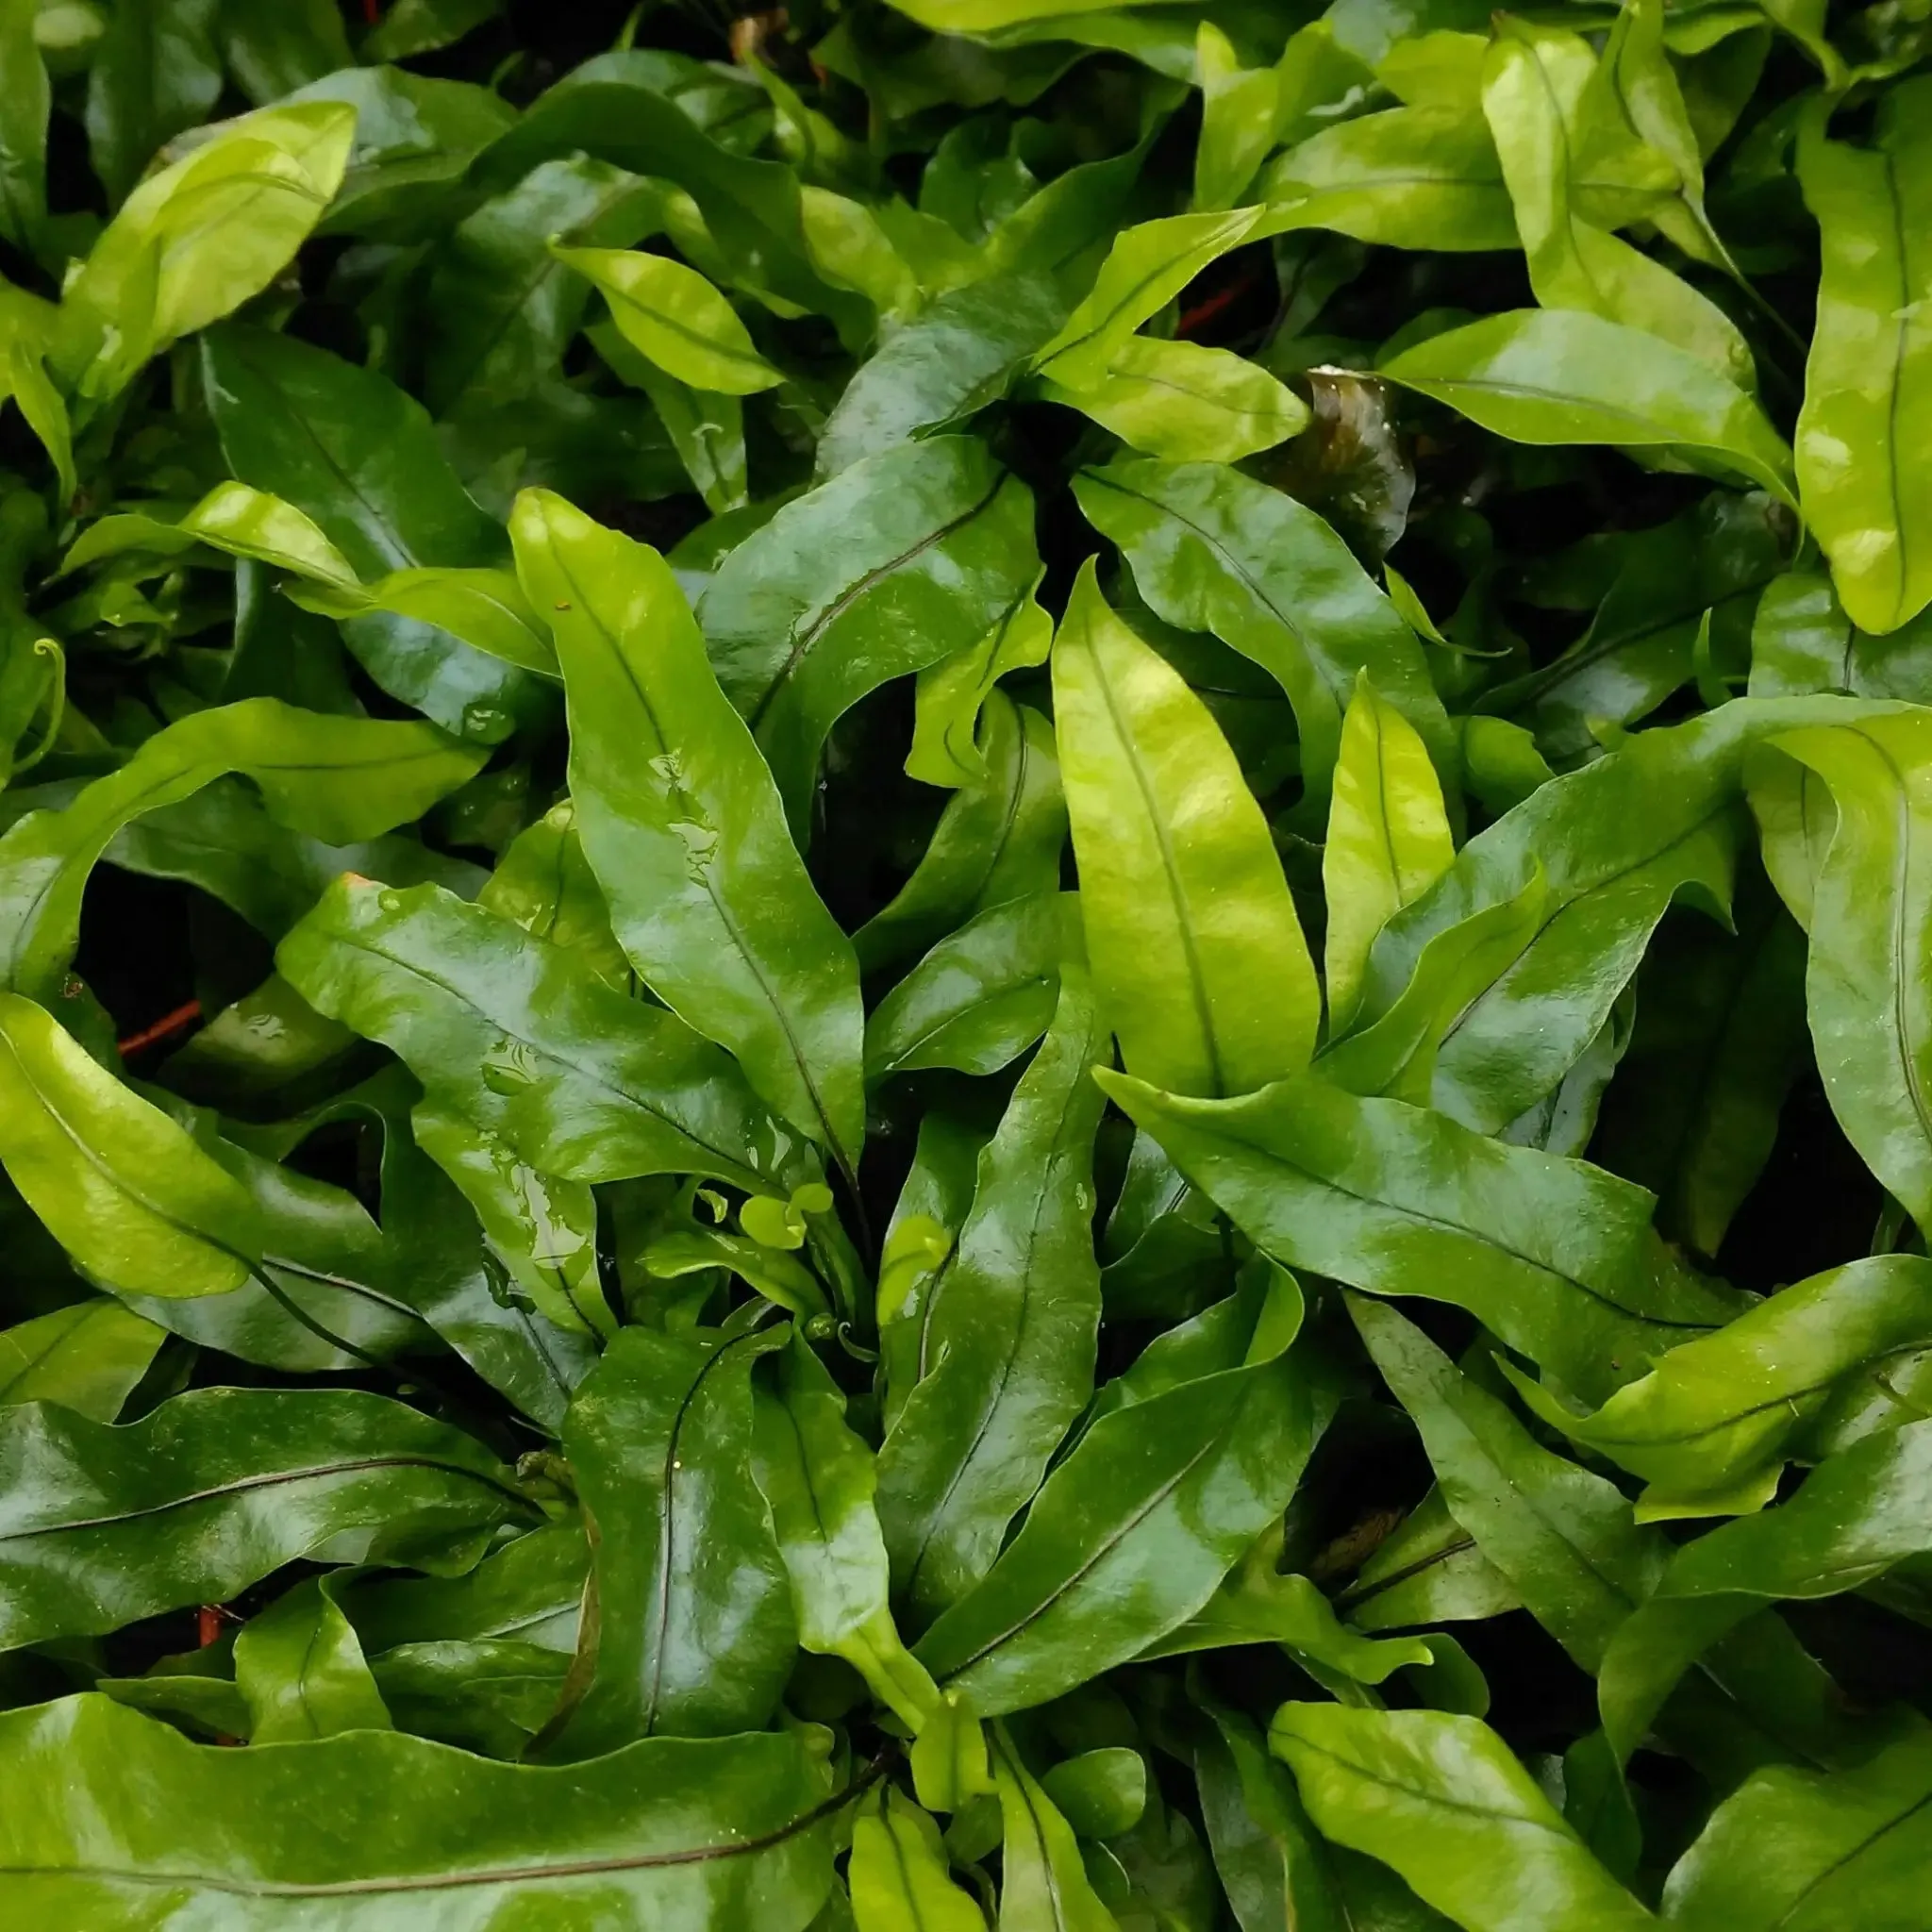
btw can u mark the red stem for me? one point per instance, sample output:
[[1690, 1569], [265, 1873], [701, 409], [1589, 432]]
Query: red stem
[[1209, 306], [165, 1028]]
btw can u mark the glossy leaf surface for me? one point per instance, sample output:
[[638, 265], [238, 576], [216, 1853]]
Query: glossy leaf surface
[[1161, 813]]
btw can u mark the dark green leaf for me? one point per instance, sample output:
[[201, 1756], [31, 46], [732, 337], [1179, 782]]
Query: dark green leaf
[[898, 561], [214, 1489]]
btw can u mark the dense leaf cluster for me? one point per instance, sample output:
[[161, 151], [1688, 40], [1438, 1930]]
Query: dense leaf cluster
[[965, 962]]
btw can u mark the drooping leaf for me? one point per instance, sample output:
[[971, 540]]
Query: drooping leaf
[[339, 778]]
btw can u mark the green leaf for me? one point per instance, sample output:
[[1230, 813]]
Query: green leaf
[[1043, 1886], [682, 824], [1197, 955], [543, 1230], [1428, 1570], [671, 314], [336, 1291], [519, 1036], [1546, 376], [989, 16], [1566, 1540], [502, 304], [1553, 1255], [1007, 1336], [1202, 1443], [231, 518], [1713, 1420], [1388, 839], [898, 1873], [1240, 110], [544, 884], [1720, 1039], [1212, 549], [705, 428], [301, 1668], [688, 1626], [1561, 1537], [962, 352], [1861, 469], [122, 1188], [216, 1488], [818, 1479], [685, 1833], [361, 458], [420, 26], [898, 561], [1274, 1867], [342, 779], [26, 101], [1852, 1520], [1145, 269], [87, 1357], [752, 208], [1100, 1794], [1643, 643], [414, 135], [980, 998], [273, 48], [1410, 178], [1441, 1799], [1536, 82], [1184, 403], [951, 695], [1615, 842], [1804, 1851], [155, 72], [1259, 1603], [529, 1588], [998, 841], [193, 242], [1871, 922], [1398, 1054]]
